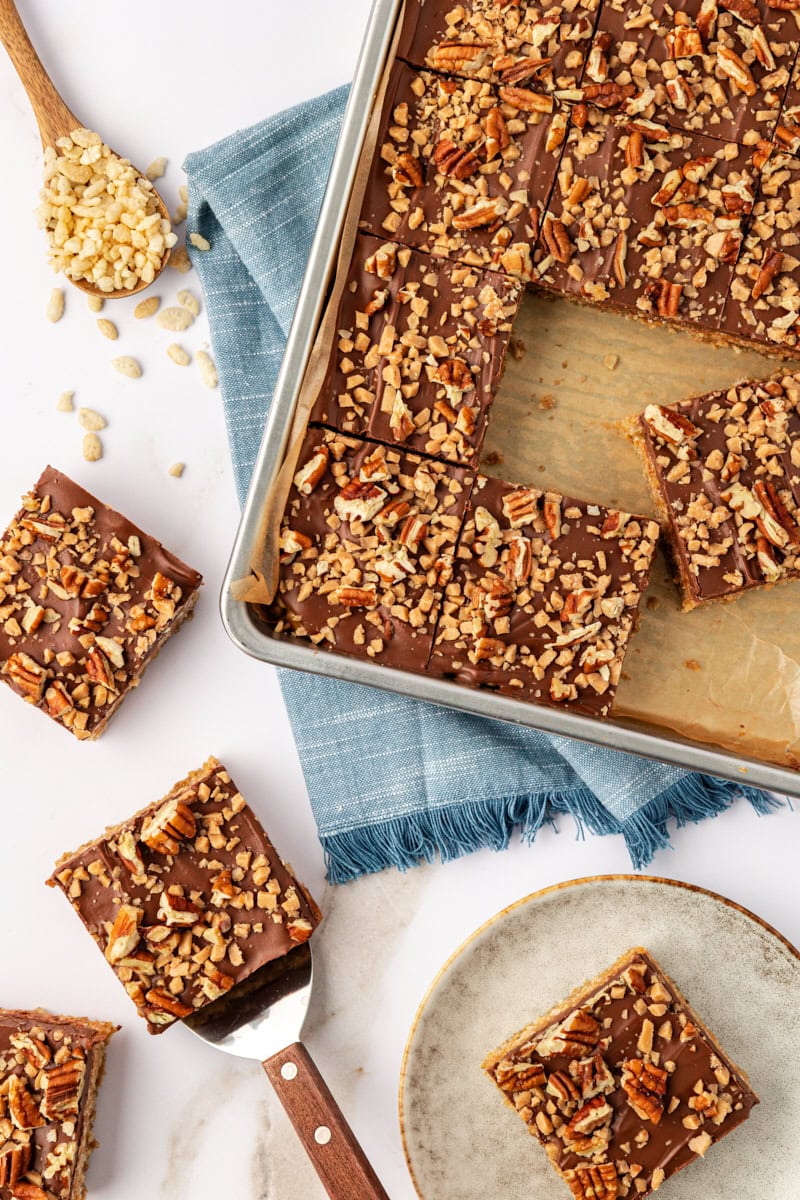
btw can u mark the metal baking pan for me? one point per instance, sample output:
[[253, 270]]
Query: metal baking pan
[[243, 623]]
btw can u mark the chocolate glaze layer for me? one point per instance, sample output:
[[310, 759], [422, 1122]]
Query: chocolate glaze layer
[[32, 1045], [635, 1014], [419, 351], [86, 575], [245, 906], [542, 607]]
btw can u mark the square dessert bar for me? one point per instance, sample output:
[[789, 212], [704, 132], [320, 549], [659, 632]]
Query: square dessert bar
[[622, 1083], [367, 542], [463, 169], [86, 602], [542, 46], [50, 1070], [647, 219], [716, 67], [544, 596], [763, 304], [724, 470], [187, 898], [419, 350]]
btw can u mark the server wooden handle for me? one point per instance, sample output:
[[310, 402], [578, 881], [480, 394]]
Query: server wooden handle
[[328, 1140]]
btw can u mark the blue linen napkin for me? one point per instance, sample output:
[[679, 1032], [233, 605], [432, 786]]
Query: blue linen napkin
[[392, 781]]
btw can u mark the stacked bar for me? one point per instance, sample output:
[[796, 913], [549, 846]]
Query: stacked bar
[[622, 1084]]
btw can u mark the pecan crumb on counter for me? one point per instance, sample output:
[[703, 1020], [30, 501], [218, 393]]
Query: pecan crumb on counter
[[544, 596], [87, 600], [622, 1083], [50, 1070], [187, 898], [724, 470]]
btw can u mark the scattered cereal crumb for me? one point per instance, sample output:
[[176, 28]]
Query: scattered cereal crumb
[[156, 169], [178, 354], [180, 214], [493, 458], [183, 192], [55, 306], [179, 260], [95, 303], [199, 242], [92, 447], [174, 319], [564, 364], [188, 300], [610, 361], [91, 420], [547, 401], [176, 470], [146, 308], [692, 664], [127, 366], [208, 370], [517, 349], [64, 403], [652, 603], [107, 328]]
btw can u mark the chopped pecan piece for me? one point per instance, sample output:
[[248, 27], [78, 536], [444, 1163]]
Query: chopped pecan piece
[[485, 212], [22, 1106], [123, 936], [455, 377], [169, 826], [672, 427], [455, 57], [163, 1002], [593, 1076], [357, 597], [770, 268], [63, 1085], [27, 675], [526, 100], [458, 161], [646, 1087], [497, 136], [312, 472], [596, 1182], [407, 171], [572, 1037], [521, 507], [359, 501], [520, 1076], [15, 1161], [588, 1131], [175, 909]]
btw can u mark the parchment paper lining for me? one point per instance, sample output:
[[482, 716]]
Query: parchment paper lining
[[729, 674]]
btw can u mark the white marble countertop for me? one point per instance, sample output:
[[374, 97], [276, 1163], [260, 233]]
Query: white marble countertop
[[176, 1119]]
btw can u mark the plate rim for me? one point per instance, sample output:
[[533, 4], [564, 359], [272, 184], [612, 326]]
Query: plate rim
[[557, 887]]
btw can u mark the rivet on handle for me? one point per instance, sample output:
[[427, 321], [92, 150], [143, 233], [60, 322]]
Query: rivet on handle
[[322, 1135], [289, 1070]]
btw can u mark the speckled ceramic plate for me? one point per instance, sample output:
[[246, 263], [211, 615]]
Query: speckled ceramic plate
[[741, 976]]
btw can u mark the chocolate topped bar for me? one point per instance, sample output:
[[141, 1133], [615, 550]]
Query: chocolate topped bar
[[419, 350], [86, 601], [187, 898], [646, 219], [367, 542], [541, 46], [724, 469], [544, 596], [50, 1069], [622, 1084], [463, 169], [763, 304], [715, 68]]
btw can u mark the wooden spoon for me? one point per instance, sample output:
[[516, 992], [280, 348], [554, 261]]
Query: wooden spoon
[[54, 118]]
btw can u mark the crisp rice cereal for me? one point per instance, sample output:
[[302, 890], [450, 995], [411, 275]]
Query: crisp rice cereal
[[64, 403], [55, 305], [176, 470], [92, 447], [91, 420], [199, 242], [108, 329], [95, 303], [127, 366], [178, 354], [180, 214], [174, 319], [146, 308], [156, 169], [208, 370], [102, 217], [188, 300]]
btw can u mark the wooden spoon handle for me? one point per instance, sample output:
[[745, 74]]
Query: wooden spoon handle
[[53, 116], [328, 1140]]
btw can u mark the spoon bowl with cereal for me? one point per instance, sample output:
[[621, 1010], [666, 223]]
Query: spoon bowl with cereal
[[108, 228]]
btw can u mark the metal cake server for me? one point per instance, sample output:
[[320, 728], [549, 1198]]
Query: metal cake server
[[262, 1018]]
